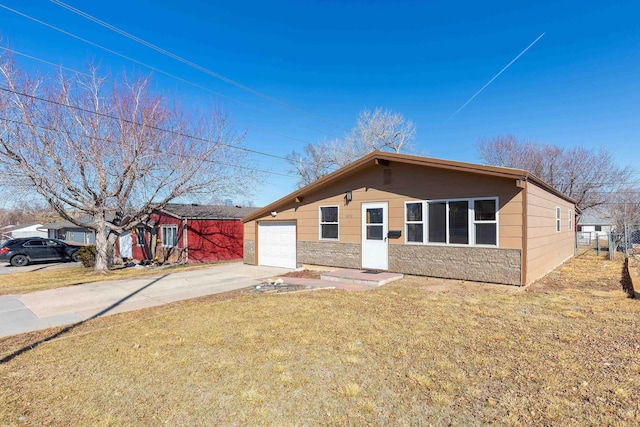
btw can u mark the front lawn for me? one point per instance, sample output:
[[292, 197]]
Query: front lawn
[[408, 353], [41, 280]]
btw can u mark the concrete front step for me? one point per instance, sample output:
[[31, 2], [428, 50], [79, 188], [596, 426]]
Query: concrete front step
[[364, 277]]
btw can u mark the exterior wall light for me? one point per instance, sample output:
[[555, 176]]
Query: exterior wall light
[[348, 196], [274, 213]]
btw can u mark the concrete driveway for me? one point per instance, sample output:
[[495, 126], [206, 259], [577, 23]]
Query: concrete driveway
[[62, 306]]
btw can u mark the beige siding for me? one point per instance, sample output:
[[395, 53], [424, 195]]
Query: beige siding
[[249, 230], [408, 183], [546, 248]]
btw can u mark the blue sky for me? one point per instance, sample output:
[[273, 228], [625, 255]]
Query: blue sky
[[578, 85]]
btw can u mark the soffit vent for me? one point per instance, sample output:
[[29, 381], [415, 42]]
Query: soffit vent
[[386, 177]]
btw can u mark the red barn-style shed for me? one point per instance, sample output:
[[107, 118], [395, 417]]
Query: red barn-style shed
[[191, 233]]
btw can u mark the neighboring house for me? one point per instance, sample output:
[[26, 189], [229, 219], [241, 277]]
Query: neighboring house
[[594, 223], [26, 230], [421, 216], [191, 233], [70, 232]]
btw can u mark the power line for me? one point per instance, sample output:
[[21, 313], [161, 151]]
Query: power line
[[190, 63], [107, 140], [128, 58], [251, 168], [35, 58], [42, 60], [85, 110]]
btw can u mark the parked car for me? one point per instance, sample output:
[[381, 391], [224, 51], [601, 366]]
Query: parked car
[[22, 251]]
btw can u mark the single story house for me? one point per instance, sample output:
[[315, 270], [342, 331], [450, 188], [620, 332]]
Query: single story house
[[419, 215], [191, 233], [25, 230], [70, 232], [594, 223]]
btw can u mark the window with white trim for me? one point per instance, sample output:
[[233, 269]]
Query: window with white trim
[[328, 222], [414, 222], [485, 222], [570, 216], [558, 220], [455, 222], [170, 235]]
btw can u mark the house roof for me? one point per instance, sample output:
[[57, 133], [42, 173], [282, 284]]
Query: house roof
[[59, 225], [595, 217], [380, 157], [194, 211], [11, 228], [87, 220]]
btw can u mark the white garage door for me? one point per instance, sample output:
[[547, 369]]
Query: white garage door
[[277, 244]]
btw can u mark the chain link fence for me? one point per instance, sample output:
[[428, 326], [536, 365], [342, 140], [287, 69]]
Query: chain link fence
[[627, 241]]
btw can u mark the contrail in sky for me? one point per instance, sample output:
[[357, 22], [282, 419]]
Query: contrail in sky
[[496, 76]]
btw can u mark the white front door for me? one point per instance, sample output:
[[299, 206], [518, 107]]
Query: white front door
[[125, 244], [375, 249]]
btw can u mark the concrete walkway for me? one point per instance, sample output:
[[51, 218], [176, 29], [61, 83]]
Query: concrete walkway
[[346, 279], [62, 306]]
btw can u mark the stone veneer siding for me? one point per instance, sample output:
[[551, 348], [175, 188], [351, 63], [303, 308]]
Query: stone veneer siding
[[331, 254], [250, 252], [492, 265]]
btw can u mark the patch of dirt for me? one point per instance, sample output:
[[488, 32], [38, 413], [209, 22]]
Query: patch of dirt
[[460, 287], [304, 274], [585, 272]]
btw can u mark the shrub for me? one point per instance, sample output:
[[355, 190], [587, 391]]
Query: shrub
[[88, 256]]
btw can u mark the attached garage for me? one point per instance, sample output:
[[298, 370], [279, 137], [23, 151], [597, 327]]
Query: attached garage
[[277, 243]]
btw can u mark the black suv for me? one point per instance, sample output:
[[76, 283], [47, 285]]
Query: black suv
[[22, 251]]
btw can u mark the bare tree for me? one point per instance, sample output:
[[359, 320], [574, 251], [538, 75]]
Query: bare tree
[[109, 149], [377, 130], [591, 177], [624, 208], [25, 212], [315, 163], [383, 130]]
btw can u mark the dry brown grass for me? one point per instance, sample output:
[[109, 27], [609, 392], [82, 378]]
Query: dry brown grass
[[40, 280], [399, 355]]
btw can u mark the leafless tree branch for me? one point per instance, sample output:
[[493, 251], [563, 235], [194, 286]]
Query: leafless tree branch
[[591, 177], [377, 130]]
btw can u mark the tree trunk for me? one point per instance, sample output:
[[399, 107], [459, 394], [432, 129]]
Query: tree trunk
[[103, 251]]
